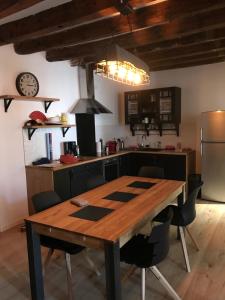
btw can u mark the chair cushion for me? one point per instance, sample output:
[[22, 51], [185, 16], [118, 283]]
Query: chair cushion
[[138, 251], [53, 243]]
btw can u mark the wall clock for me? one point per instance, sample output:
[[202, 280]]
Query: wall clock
[[27, 84]]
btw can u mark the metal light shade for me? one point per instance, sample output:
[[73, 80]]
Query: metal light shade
[[123, 66]]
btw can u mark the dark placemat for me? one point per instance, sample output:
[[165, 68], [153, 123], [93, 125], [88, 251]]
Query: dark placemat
[[92, 213], [141, 184], [121, 196]]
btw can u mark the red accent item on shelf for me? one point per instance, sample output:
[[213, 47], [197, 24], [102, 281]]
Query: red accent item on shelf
[[38, 115], [68, 159]]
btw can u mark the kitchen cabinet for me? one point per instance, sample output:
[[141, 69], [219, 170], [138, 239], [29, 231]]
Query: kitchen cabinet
[[176, 166], [111, 168], [70, 180], [124, 164], [67, 182], [153, 110]]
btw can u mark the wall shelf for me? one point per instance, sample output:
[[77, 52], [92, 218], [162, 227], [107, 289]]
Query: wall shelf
[[32, 129], [9, 98]]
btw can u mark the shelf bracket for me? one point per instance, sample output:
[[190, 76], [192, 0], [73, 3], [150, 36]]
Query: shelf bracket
[[7, 102], [64, 130], [47, 105], [30, 132]]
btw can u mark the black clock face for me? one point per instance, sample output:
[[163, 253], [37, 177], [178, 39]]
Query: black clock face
[[27, 84]]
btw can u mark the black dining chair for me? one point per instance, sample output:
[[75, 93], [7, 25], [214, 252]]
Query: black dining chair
[[183, 215], [151, 171], [145, 252], [42, 201]]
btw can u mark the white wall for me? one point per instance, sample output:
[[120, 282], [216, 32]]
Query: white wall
[[56, 80], [203, 89]]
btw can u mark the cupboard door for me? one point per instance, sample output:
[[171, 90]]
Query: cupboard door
[[80, 175], [124, 165], [132, 107], [62, 183], [174, 166]]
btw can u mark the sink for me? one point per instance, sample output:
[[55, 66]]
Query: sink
[[149, 149]]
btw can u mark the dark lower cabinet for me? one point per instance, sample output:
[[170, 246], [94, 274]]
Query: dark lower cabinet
[[124, 164], [62, 183], [174, 165], [71, 182]]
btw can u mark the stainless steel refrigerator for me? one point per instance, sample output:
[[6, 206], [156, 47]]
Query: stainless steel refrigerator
[[213, 155]]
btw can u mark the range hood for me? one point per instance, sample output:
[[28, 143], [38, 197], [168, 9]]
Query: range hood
[[87, 104]]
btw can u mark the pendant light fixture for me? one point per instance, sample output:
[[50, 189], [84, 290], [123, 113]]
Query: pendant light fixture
[[121, 65]]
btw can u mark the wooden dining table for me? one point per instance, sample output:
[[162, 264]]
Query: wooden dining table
[[116, 211]]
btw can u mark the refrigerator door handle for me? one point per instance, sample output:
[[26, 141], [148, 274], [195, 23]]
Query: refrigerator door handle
[[201, 136]]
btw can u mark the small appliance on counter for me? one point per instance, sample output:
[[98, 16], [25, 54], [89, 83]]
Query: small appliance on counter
[[70, 148], [112, 146]]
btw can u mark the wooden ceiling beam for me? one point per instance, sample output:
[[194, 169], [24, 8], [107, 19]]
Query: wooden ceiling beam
[[195, 57], [9, 7], [55, 19], [62, 17], [189, 40], [189, 64], [184, 51], [161, 13], [175, 29], [186, 45]]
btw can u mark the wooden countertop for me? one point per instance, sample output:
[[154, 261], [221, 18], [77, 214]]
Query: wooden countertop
[[56, 165]]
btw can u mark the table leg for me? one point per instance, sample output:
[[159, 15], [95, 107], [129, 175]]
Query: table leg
[[35, 266], [112, 267]]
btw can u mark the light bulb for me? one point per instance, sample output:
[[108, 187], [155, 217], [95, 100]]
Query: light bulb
[[130, 76], [137, 79], [113, 68], [121, 72]]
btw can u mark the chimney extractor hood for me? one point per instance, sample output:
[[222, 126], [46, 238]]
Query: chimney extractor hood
[[89, 105]]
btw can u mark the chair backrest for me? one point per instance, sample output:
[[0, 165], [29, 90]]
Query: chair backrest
[[44, 200], [187, 210], [94, 182], [151, 171], [159, 238]]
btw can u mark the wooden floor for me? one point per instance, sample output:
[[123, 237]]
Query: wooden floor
[[206, 281]]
